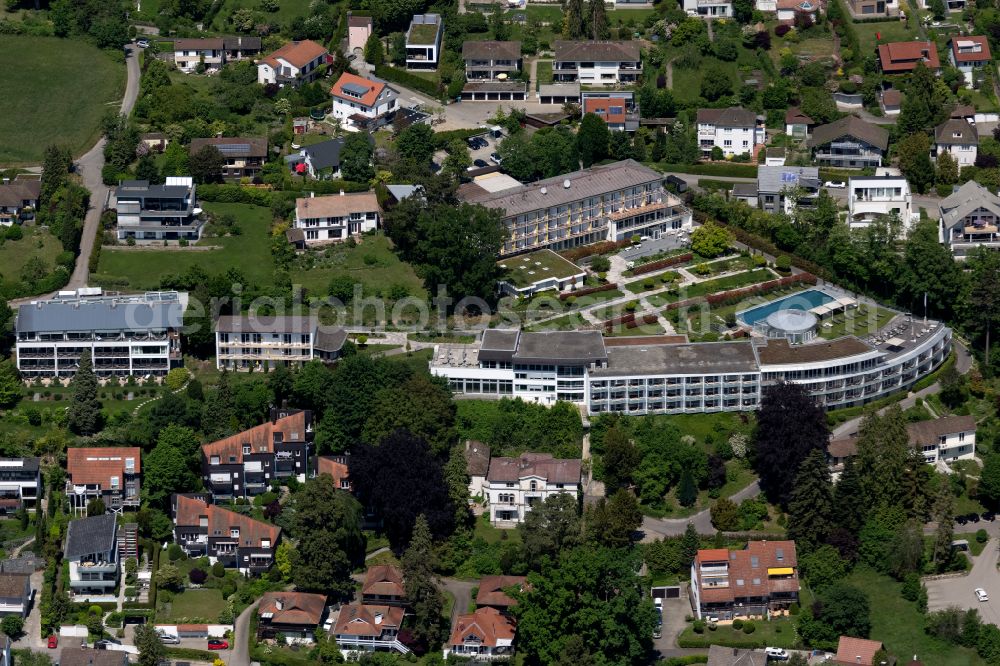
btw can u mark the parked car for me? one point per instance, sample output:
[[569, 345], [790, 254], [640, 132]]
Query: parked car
[[218, 644], [981, 594], [478, 142], [835, 184], [480, 164], [142, 43], [776, 653], [961, 520], [53, 641], [990, 516], [168, 639], [973, 517], [495, 157]]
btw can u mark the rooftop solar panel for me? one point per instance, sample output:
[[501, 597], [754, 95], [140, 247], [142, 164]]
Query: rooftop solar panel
[[354, 89], [234, 148]]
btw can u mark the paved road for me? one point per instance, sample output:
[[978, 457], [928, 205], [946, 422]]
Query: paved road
[[461, 591], [959, 591], [654, 528], [89, 167], [241, 637]]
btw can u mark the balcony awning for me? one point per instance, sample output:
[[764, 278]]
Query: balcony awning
[[780, 571]]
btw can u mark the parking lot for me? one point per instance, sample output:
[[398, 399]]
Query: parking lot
[[474, 154], [960, 590], [670, 240]]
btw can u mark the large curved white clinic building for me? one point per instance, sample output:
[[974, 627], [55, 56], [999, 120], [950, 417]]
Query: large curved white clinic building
[[662, 375]]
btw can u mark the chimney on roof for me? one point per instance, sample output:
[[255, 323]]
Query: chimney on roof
[[566, 183], [279, 603]]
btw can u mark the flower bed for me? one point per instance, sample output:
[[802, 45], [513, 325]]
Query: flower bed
[[589, 290], [662, 263]]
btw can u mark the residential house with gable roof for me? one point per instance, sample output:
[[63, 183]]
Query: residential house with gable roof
[[293, 64], [294, 615], [92, 553], [337, 468], [493, 591], [759, 580], [969, 53], [734, 131], [491, 60], [849, 143], [958, 137], [514, 485], [852, 651], [485, 635], [245, 464], [15, 594], [943, 440], [84, 656], [369, 627], [383, 586], [243, 156], [970, 218], [238, 541], [797, 124], [263, 342], [213, 52], [363, 103], [110, 473], [596, 63], [727, 656], [320, 160], [18, 199], [337, 217], [903, 57]]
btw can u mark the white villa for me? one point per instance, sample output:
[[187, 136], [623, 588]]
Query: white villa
[[513, 485], [970, 218], [878, 196]]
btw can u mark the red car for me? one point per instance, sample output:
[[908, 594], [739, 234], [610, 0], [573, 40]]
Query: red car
[[53, 642], [218, 644]]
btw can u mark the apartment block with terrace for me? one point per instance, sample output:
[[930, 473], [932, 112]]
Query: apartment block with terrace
[[92, 553], [20, 480], [109, 473], [760, 580], [202, 529], [735, 131], [608, 202], [970, 218], [149, 212], [596, 63], [849, 143], [246, 464], [709, 8], [262, 342]]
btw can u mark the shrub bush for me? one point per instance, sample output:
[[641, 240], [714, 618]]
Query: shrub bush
[[749, 627], [218, 570], [982, 536], [699, 626], [782, 30], [783, 263], [197, 576], [737, 624], [174, 552]]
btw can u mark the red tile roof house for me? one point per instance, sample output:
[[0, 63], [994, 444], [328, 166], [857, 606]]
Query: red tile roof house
[[854, 651], [362, 103], [902, 57], [294, 615], [493, 591], [367, 627], [246, 464], [336, 468], [486, 634], [383, 586], [612, 110], [240, 542], [760, 580], [293, 64], [109, 472], [969, 54]]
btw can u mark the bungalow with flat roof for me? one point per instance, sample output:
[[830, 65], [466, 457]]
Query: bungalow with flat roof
[[903, 57], [293, 64], [872, 9], [423, 41], [969, 53], [970, 218], [243, 156], [541, 270], [849, 143]]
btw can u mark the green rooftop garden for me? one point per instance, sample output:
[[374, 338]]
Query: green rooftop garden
[[526, 269], [422, 33]]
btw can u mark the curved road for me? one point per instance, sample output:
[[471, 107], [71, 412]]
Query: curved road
[[240, 655], [89, 167]]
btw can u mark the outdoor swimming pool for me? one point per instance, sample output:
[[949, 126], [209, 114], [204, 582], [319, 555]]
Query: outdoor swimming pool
[[804, 300]]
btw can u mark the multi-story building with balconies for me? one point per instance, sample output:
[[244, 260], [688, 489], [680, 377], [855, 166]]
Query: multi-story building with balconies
[[849, 143], [514, 485], [782, 189], [970, 218], [670, 377], [942, 440], [243, 156], [370, 628], [109, 473], [759, 581], [213, 52], [490, 60], [238, 541], [885, 194], [19, 484], [125, 335], [709, 8], [246, 464], [596, 63], [618, 109], [423, 41], [259, 342], [337, 217], [92, 552], [734, 131], [158, 212], [609, 202]]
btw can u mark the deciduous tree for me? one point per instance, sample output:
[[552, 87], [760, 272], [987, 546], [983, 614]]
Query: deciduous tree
[[327, 523], [592, 139], [550, 527], [356, 158], [206, 165], [790, 425]]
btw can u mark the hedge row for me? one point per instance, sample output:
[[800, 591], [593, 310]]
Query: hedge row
[[743, 643], [685, 661], [641, 321], [662, 263], [589, 290], [712, 169], [763, 287], [408, 80], [766, 246], [191, 654], [258, 196], [442, 139], [603, 247]]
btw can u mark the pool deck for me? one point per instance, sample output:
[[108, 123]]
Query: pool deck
[[769, 306]]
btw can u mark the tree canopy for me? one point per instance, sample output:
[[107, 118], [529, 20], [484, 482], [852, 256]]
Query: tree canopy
[[790, 426]]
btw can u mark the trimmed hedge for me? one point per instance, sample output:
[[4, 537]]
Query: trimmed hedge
[[192, 654], [712, 169], [408, 80], [603, 247], [442, 139], [589, 290], [685, 661], [662, 263], [707, 640]]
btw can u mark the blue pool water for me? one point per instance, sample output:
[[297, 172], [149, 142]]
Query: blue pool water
[[804, 300]]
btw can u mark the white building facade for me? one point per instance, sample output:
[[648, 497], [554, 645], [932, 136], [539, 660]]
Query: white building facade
[[596, 63], [970, 218], [734, 131], [246, 342], [879, 196], [709, 8], [335, 218], [514, 485], [358, 101]]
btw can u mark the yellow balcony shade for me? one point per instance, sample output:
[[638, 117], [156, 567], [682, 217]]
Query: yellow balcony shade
[[780, 571]]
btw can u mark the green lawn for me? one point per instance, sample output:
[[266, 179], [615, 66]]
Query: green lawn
[[35, 243], [372, 264], [249, 252], [726, 283], [205, 604], [774, 633], [642, 329], [897, 622], [863, 320], [287, 12], [57, 91], [890, 31], [491, 534], [687, 82], [975, 548], [543, 71], [526, 269]]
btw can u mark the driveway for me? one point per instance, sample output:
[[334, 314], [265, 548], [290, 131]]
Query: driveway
[[674, 612], [959, 591], [655, 528], [240, 655], [32, 638], [670, 240]]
